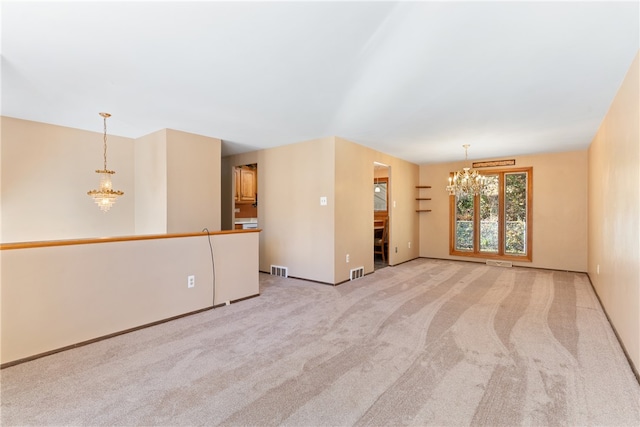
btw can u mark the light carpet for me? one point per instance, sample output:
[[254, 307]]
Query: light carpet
[[429, 342]]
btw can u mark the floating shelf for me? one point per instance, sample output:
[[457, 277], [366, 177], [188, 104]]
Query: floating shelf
[[419, 187]]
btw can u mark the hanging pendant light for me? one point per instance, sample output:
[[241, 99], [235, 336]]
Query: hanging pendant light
[[105, 196], [466, 181]]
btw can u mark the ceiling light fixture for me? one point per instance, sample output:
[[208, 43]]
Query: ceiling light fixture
[[466, 181], [105, 196]]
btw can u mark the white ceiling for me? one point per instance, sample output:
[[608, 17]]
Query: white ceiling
[[412, 79]]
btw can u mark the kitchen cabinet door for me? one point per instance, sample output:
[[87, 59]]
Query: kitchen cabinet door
[[236, 177], [247, 185]]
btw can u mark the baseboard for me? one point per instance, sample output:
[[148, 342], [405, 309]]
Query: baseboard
[[94, 340], [115, 334], [310, 280], [236, 300], [404, 262], [483, 262], [624, 349]]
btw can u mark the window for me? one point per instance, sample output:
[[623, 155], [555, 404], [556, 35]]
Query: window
[[496, 224]]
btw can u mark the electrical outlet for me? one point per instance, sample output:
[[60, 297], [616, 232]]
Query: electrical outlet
[[323, 201], [347, 257], [191, 281]]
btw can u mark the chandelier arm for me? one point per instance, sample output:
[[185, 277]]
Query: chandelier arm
[[466, 181]]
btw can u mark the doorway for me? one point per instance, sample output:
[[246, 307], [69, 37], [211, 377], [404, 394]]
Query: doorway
[[381, 215], [245, 192]]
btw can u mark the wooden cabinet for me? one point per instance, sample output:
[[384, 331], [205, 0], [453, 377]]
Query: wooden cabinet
[[246, 184], [236, 178], [247, 191]]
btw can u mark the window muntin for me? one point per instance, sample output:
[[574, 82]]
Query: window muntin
[[496, 224]]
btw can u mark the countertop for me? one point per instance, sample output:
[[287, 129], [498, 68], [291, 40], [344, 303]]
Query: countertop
[[246, 220]]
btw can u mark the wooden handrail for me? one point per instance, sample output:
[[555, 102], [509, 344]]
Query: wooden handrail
[[49, 243]]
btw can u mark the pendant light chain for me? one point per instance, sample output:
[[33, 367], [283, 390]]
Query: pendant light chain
[[105, 116], [105, 141]]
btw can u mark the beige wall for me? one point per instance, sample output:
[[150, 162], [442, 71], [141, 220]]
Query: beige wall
[[150, 153], [298, 232], [559, 210], [74, 296], [236, 264], [313, 240], [47, 170], [353, 209], [193, 182], [405, 221], [614, 213], [46, 173]]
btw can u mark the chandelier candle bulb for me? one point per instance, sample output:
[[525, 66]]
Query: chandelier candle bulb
[[467, 181]]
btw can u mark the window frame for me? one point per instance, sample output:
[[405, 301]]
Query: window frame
[[500, 255]]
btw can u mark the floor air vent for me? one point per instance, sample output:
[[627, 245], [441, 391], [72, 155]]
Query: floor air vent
[[499, 263], [277, 270], [356, 273]]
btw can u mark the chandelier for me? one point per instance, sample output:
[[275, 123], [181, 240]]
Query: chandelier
[[466, 181], [105, 196]]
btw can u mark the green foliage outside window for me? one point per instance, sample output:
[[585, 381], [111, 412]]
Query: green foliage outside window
[[464, 223], [464, 235], [489, 214], [515, 200]]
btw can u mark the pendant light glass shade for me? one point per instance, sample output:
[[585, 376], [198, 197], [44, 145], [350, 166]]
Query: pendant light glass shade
[[105, 196]]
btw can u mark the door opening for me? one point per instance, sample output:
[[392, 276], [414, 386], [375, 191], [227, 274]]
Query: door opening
[[381, 215], [245, 188]]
